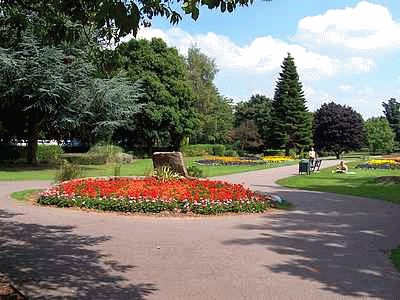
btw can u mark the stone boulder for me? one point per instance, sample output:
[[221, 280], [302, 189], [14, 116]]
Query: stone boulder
[[173, 160]]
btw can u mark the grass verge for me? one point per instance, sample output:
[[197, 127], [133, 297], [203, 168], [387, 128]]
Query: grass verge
[[364, 183], [395, 257], [24, 195], [140, 167]]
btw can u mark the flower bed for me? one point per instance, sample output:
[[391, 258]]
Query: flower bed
[[276, 159], [150, 195], [380, 164], [230, 160]]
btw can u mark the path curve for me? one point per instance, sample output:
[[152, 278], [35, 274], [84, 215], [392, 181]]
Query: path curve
[[329, 247]]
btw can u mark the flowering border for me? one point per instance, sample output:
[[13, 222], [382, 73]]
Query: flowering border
[[223, 198]]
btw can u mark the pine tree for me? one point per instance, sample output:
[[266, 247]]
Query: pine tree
[[291, 121]]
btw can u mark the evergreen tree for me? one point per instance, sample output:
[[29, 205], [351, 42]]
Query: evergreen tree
[[392, 114], [291, 122]]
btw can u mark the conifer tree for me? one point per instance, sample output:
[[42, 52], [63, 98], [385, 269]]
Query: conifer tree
[[291, 121]]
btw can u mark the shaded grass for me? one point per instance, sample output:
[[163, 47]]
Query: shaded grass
[[24, 195], [363, 183], [395, 257], [139, 167]]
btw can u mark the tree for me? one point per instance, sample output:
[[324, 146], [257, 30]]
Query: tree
[[43, 90], [392, 113], [247, 136], [166, 114], [291, 121], [60, 20], [214, 111], [380, 135], [337, 128], [258, 109]]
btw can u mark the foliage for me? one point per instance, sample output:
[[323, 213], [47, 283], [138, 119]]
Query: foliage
[[202, 149], [277, 158], [49, 153], [165, 173], [69, 171], [380, 135], [36, 87], [230, 161], [381, 164], [395, 257], [337, 128], [215, 112], [152, 195], [246, 136], [166, 114], [195, 171], [392, 114], [258, 109], [65, 20], [291, 122]]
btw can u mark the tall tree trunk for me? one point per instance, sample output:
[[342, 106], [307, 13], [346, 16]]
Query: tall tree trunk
[[338, 154], [32, 146]]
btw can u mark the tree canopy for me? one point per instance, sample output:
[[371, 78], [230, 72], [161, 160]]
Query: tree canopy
[[337, 128], [380, 135], [392, 114], [291, 121], [60, 20]]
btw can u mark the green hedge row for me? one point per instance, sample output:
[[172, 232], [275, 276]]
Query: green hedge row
[[155, 207]]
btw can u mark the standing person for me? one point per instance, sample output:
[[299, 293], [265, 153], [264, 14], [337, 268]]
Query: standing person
[[311, 154]]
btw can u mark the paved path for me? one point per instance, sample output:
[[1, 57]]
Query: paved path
[[328, 247]]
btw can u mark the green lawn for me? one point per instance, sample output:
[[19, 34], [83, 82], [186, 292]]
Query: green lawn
[[395, 257], [363, 183], [139, 167], [24, 195]]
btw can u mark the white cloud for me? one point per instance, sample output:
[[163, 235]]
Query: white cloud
[[345, 87], [365, 27]]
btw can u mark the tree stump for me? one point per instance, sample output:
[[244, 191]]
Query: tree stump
[[173, 160]]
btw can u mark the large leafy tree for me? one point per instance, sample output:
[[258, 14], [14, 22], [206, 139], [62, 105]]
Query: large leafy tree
[[167, 113], [246, 136], [392, 114], [380, 135], [337, 128], [291, 121], [214, 111], [61, 19], [258, 109], [46, 90]]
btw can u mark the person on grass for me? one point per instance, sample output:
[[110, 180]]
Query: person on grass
[[342, 167]]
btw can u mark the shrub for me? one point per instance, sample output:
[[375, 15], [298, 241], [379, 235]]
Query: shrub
[[202, 149], [69, 171], [231, 153], [218, 150], [49, 153], [122, 158], [195, 171]]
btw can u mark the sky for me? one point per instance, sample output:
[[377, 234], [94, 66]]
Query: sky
[[345, 51]]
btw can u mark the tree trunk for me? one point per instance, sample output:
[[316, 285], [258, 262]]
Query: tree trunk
[[32, 146], [337, 154]]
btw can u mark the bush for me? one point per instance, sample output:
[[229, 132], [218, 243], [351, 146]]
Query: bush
[[12, 152], [165, 173], [218, 150], [69, 171], [122, 158], [195, 171], [274, 152], [203, 149], [231, 153], [49, 153]]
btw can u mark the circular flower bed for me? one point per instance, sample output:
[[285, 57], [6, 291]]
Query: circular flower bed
[[230, 161], [150, 195]]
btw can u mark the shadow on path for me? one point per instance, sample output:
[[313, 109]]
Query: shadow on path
[[332, 240], [53, 262]]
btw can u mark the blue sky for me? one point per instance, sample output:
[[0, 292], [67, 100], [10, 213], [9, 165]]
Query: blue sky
[[346, 51]]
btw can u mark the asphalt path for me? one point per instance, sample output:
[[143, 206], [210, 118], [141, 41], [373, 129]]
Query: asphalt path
[[328, 247]]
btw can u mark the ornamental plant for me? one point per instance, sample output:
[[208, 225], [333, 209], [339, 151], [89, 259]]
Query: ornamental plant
[[150, 195]]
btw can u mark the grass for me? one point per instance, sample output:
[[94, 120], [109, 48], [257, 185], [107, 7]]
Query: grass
[[24, 195], [395, 257], [139, 168], [363, 183]]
